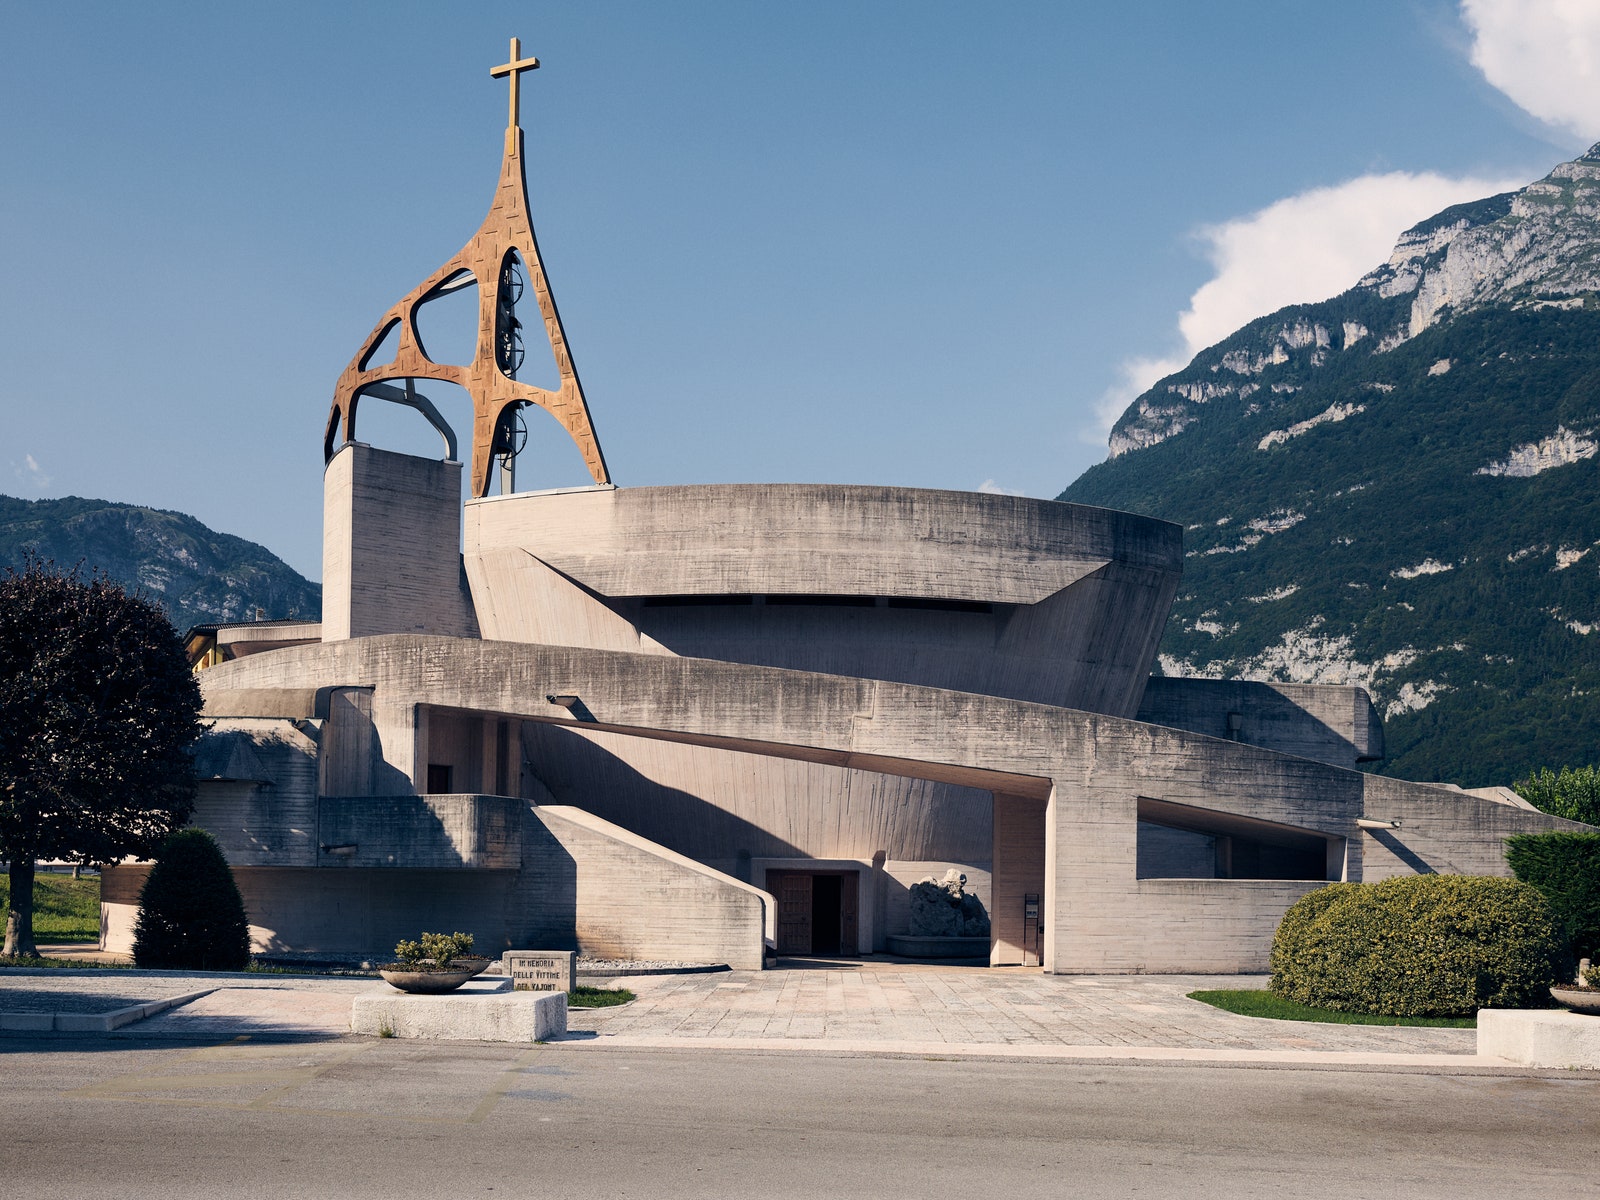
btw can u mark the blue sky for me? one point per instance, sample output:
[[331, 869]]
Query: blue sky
[[930, 244]]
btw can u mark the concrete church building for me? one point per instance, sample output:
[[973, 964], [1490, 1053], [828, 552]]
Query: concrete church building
[[705, 723]]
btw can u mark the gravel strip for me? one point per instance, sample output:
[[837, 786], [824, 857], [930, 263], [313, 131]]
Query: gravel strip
[[612, 968]]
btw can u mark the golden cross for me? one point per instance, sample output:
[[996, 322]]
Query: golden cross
[[515, 68]]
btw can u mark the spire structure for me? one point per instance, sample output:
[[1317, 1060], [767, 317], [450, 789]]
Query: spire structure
[[488, 260]]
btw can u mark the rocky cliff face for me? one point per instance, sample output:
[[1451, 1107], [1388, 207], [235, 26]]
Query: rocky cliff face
[[1538, 248], [1400, 488], [197, 575]]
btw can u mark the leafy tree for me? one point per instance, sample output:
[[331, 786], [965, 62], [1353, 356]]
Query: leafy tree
[[1573, 792], [98, 712], [1565, 867], [191, 916]]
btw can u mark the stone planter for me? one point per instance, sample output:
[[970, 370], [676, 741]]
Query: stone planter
[[1581, 1000], [906, 945], [427, 979]]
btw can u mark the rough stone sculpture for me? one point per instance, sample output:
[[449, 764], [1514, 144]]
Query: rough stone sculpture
[[943, 908]]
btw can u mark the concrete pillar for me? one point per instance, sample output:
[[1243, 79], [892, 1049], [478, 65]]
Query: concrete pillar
[[391, 546], [1019, 870]]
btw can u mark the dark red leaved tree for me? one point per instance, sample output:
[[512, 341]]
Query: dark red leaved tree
[[98, 716]]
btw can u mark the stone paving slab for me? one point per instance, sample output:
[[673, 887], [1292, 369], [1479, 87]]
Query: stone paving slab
[[313, 1013], [52, 1000], [175, 1004], [878, 1003]]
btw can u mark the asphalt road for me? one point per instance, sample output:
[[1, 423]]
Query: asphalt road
[[399, 1119]]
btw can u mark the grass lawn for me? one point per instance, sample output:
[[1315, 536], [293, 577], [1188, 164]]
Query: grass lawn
[[64, 909], [1265, 1004], [592, 997], [35, 964]]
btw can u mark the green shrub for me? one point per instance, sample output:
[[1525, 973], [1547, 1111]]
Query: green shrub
[[191, 916], [1565, 867], [1573, 793], [1419, 946], [435, 949]]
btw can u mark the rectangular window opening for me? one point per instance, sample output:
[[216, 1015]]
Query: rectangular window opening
[[1180, 841]]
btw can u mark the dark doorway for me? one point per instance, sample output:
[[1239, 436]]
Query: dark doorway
[[825, 909], [818, 911], [793, 890]]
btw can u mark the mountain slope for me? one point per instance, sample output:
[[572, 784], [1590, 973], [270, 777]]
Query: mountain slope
[[197, 574], [1398, 488]]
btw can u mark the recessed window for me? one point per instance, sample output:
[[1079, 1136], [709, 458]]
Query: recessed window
[[825, 601], [439, 776], [1180, 841], [937, 605], [697, 601]]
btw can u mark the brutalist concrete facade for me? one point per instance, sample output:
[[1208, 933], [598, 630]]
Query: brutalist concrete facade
[[696, 722]]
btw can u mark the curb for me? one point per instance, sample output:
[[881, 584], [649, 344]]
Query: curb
[[43, 1022], [1085, 1055]]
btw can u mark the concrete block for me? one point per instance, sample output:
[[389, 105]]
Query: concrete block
[[28, 1022], [1539, 1037], [89, 1022], [481, 1011], [910, 946], [541, 970]]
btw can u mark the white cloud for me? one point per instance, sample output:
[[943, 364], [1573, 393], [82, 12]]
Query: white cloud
[[990, 487], [31, 472], [1300, 249], [1543, 54]]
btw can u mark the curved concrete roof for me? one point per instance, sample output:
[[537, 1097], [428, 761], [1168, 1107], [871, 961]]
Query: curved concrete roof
[[819, 539]]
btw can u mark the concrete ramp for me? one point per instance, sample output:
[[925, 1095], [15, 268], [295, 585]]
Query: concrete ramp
[[633, 898]]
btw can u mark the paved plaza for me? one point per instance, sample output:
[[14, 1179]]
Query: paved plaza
[[870, 1007], [1014, 1012]]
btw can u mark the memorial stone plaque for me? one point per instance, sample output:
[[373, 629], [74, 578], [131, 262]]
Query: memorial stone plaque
[[541, 970]]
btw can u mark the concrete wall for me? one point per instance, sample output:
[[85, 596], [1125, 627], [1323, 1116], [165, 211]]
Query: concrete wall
[[1165, 853], [595, 887], [835, 539], [391, 539], [1442, 831], [569, 881], [321, 911], [719, 806], [1062, 604], [1019, 871], [1335, 725], [1093, 769], [1083, 647], [437, 832], [257, 790]]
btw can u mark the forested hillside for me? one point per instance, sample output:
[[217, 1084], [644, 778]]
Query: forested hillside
[[1397, 488]]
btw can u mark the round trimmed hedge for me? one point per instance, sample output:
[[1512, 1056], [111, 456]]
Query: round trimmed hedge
[[191, 916], [1419, 946]]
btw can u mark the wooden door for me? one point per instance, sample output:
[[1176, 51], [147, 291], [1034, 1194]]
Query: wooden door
[[793, 891], [849, 906]]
